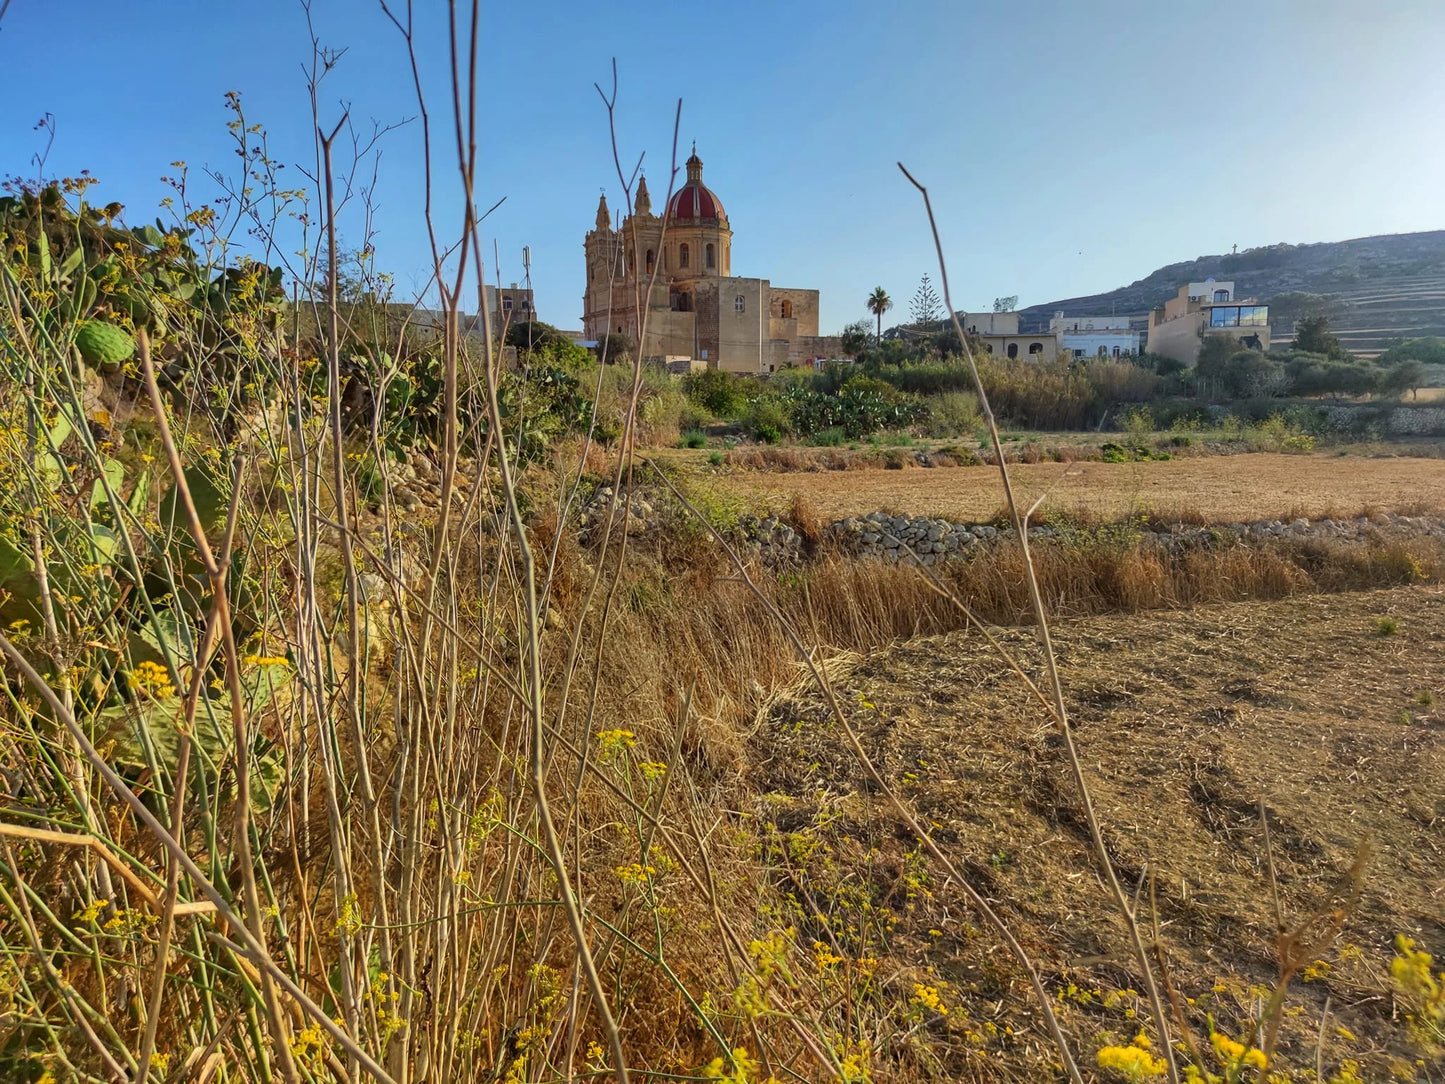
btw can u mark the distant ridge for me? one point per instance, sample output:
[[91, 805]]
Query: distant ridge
[[1372, 288]]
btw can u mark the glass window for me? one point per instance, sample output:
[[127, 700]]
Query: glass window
[[1036, 348], [506, 304], [707, 255], [1224, 316], [741, 304], [1221, 295], [681, 255], [1253, 315]]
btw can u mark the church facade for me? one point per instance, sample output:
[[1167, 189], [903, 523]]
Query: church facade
[[696, 310]]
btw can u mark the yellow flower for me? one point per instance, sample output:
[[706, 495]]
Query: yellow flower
[[615, 741], [1132, 1063], [929, 998], [594, 1051]]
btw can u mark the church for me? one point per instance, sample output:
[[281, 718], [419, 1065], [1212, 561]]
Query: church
[[697, 311]]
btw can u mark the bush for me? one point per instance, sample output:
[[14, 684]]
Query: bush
[[953, 413], [722, 393], [693, 438], [768, 419]]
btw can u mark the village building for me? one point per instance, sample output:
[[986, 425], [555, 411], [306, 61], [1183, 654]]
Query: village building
[[1178, 328], [998, 333], [1095, 336], [676, 271]]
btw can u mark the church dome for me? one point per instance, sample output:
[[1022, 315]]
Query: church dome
[[695, 200]]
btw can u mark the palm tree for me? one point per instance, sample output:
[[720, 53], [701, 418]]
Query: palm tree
[[878, 303]]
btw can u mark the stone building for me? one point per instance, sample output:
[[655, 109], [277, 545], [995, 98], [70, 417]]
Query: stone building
[[676, 270], [1178, 328], [998, 333]]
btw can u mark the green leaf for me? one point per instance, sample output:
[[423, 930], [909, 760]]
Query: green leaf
[[114, 471], [104, 543], [71, 262]]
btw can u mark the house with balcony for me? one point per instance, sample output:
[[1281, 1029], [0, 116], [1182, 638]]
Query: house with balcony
[[998, 333], [1178, 328], [1094, 336]]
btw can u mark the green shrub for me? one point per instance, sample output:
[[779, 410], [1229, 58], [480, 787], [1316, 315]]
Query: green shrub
[[768, 419], [833, 437], [693, 438], [953, 413], [722, 393]]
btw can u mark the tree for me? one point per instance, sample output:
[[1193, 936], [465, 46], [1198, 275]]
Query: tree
[[1005, 304], [1312, 335], [1406, 376], [925, 307], [878, 303], [855, 338]]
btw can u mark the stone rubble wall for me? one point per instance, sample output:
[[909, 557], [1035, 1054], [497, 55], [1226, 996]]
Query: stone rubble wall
[[885, 537]]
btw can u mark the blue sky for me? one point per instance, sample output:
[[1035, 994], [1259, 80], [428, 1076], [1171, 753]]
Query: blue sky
[[1070, 147]]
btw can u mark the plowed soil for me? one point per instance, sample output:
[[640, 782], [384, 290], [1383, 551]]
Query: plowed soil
[[1215, 488], [1321, 710]]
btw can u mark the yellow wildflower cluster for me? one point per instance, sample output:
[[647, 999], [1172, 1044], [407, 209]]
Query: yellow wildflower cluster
[[1421, 990], [652, 770], [855, 1062], [152, 679], [309, 1047], [91, 912], [929, 997], [737, 1069], [613, 742], [595, 1053], [824, 957], [1233, 1055], [264, 660], [1132, 1062], [349, 920]]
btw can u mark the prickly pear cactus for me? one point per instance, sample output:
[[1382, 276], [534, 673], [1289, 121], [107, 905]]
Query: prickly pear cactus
[[103, 344]]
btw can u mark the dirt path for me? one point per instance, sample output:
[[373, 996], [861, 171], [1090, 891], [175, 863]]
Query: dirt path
[[1219, 488]]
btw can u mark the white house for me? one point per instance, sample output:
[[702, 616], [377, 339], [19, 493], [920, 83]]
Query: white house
[[1094, 336]]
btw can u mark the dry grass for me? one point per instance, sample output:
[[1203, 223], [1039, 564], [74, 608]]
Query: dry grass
[[1297, 703], [1215, 488]]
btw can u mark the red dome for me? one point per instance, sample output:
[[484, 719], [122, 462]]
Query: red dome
[[695, 199]]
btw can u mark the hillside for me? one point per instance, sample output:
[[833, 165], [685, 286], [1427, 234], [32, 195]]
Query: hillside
[[1372, 288]]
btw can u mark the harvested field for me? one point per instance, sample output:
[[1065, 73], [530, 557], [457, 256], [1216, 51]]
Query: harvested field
[[1215, 488], [1186, 722]]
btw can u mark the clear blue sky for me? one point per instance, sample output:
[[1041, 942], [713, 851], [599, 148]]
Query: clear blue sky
[[1070, 147]]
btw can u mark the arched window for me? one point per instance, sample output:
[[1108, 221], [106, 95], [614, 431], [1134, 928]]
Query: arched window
[[1013, 350], [1103, 351], [1116, 351], [650, 259], [708, 258], [681, 302], [787, 310], [681, 255], [988, 347], [1221, 295], [1036, 348]]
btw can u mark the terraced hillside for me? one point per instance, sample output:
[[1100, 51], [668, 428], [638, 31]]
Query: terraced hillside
[[1372, 288]]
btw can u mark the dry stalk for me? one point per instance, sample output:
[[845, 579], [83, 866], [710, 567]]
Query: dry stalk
[[1060, 713]]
